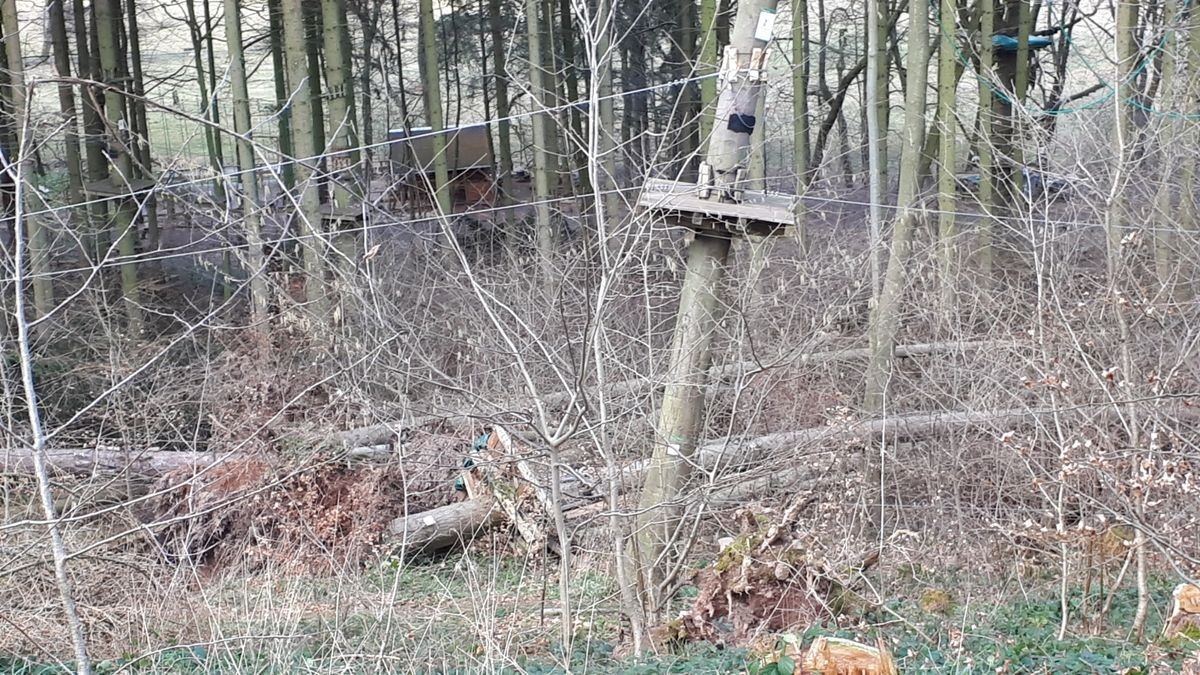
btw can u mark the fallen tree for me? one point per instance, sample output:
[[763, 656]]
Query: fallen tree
[[389, 432], [724, 453]]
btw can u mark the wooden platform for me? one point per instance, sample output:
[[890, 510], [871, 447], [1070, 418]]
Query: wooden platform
[[346, 216], [759, 213], [120, 188]]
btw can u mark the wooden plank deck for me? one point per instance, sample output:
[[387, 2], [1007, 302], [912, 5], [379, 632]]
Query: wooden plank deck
[[760, 213]]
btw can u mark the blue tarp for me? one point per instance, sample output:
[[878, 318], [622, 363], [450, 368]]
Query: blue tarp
[[1006, 43]]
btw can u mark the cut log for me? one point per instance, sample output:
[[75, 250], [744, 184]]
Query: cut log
[[444, 527], [381, 434]]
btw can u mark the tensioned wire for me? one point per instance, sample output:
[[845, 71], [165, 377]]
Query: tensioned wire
[[141, 258], [816, 200]]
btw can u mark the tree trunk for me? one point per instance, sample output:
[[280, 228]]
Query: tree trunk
[[274, 13], [66, 99], [308, 217], [947, 190], [1118, 212], [503, 125], [987, 163], [211, 135], [246, 164], [139, 123], [344, 167], [800, 69], [1164, 239], [108, 16], [885, 319], [433, 108], [709, 60], [39, 253], [541, 136], [339, 92], [681, 416]]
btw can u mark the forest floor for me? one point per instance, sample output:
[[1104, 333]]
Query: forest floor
[[488, 610]]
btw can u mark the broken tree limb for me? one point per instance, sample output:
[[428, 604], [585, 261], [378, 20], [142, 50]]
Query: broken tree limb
[[386, 433]]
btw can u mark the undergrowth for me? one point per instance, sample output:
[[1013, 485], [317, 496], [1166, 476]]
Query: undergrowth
[[1013, 635]]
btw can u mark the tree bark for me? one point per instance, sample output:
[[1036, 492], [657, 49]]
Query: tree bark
[[444, 527], [541, 137], [885, 319], [309, 216], [66, 99], [800, 53], [39, 253], [108, 15], [947, 135], [246, 164], [433, 107]]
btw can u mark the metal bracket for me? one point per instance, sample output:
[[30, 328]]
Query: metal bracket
[[739, 184], [755, 69], [729, 64], [758, 61], [705, 180]]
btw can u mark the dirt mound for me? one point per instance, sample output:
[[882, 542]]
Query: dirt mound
[[315, 516]]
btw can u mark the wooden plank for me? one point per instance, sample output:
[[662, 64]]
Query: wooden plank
[[756, 210]]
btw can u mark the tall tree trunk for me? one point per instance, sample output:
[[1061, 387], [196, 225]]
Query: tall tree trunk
[[987, 163], [66, 99], [279, 68], [295, 39], [500, 78], [680, 421], [708, 61], [571, 82], [875, 104], [93, 126], [800, 115], [1118, 214], [885, 319], [541, 121], [246, 164], [39, 254], [433, 108], [883, 79], [948, 133], [339, 93], [312, 50], [140, 124], [1164, 239], [211, 135], [344, 165], [108, 19]]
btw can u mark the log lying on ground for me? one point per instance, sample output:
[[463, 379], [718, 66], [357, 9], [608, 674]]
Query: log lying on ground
[[380, 434], [727, 453], [445, 526], [88, 461], [147, 464], [732, 454]]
